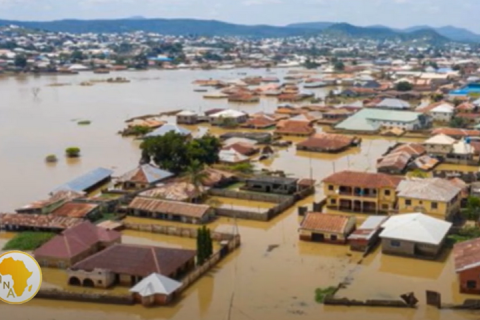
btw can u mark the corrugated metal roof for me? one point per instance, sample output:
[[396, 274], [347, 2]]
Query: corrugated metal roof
[[156, 284], [166, 128], [146, 173], [434, 189], [169, 207], [86, 181], [363, 120]]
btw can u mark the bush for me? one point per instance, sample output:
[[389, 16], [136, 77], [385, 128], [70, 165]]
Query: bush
[[51, 158], [322, 293], [72, 152], [27, 241], [84, 122]]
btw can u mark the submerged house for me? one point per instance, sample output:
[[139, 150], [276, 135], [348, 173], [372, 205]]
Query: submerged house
[[79, 210], [223, 117], [294, 128], [155, 290], [414, 235], [365, 237], [171, 210], [467, 265], [183, 191], [143, 176], [187, 117], [269, 184], [168, 127], [328, 142], [47, 206], [361, 191], [129, 264], [87, 182], [75, 244], [324, 227]]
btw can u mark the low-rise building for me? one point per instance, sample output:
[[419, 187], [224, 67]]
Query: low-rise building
[[294, 128], [183, 191], [230, 116], [187, 117], [143, 176], [81, 210], [171, 210], [155, 290], [361, 191], [74, 245], [414, 235], [324, 227], [434, 196], [327, 142], [467, 265], [365, 237], [268, 184]]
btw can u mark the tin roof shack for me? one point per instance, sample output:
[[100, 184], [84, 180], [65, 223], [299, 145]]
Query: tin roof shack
[[214, 178], [87, 182], [47, 206], [399, 158], [366, 236], [228, 118], [269, 184], [155, 290], [176, 191], [79, 210], [324, 227], [467, 265], [171, 210], [187, 117], [143, 177], [435, 196], [328, 142], [40, 222], [414, 235], [74, 245], [294, 128], [128, 264]]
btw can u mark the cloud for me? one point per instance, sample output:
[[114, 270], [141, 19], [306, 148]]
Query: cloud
[[260, 2]]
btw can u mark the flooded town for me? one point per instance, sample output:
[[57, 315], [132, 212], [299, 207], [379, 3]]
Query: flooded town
[[162, 176]]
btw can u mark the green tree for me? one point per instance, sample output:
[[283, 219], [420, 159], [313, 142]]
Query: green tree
[[77, 56], [472, 211], [458, 123], [196, 174], [209, 243], [204, 245], [20, 61], [339, 66], [72, 152], [404, 86], [309, 64]]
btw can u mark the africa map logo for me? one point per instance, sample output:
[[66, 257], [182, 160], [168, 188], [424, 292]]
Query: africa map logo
[[20, 277]]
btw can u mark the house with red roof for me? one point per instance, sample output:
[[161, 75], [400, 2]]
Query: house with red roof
[[75, 244]]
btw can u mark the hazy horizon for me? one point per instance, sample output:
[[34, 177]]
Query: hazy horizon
[[391, 13]]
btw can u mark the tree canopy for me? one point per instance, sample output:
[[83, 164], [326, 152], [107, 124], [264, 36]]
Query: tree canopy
[[174, 153], [404, 86]]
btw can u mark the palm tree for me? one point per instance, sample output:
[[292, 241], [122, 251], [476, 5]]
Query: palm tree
[[196, 174]]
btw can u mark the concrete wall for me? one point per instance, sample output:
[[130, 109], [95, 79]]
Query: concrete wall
[[54, 294], [443, 210], [265, 197], [470, 275], [411, 249]]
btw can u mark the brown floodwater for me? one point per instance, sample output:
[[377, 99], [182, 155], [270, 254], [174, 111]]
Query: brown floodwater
[[272, 276]]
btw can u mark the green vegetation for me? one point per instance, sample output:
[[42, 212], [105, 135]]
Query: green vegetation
[[246, 167], [465, 234], [309, 64], [20, 61], [204, 245], [228, 123], [339, 66], [417, 173], [84, 122], [458, 123], [51, 158], [27, 241], [322, 293], [106, 217], [174, 153], [404, 86], [472, 211], [138, 130], [195, 174], [72, 152]]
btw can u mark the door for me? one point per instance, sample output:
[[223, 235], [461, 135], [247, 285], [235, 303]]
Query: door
[[318, 237]]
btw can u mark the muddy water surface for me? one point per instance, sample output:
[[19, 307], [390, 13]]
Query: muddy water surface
[[272, 276]]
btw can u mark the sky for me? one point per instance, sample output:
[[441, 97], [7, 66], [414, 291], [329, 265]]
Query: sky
[[392, 13]]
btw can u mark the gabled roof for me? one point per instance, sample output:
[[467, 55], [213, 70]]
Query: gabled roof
[[444, 108], [393, 104], [75, 209], [166, 128], [169, 207], [137, 260], [324, 222], [230, 155], [156, 284], [467, 255], [327, 141], [76, 240], [86, 181], [433, 189], [363, 179], [441, 139], [146, 173], [415, 227]]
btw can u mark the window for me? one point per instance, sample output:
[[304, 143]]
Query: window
[[408, 202], [471, 284], [385, 206], [333, 201], [395, 243], [420, 202], [99, 281], [387, 192], [434, 205], [330, 187], [333, 237]]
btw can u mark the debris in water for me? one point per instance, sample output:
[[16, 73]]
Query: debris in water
[[272, 247]]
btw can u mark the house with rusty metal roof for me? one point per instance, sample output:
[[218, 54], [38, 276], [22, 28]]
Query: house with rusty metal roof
[[143, 176], [80, 210], [325, 227], [434, 196], [47, 206], [328, 142], [183, 191], [37, 222], [171, 210], [363, 192], [466, 257], [75, 244], [128, 264], [365, 237]]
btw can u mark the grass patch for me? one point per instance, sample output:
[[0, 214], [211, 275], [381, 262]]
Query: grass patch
[[322, 293], [84, 122], [27, 241], [465, 234]]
